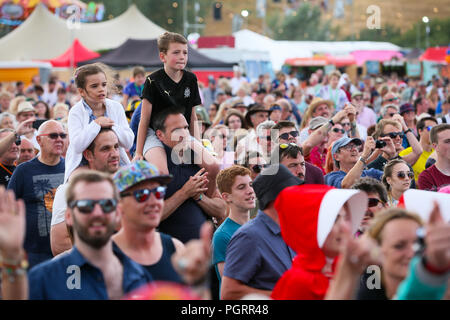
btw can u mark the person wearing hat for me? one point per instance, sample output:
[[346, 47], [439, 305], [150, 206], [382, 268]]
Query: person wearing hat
[[276, 111], [351, 162], [317, 107], [141, 199], [26, 111], [257, 255], [408, 113], [329, 217]]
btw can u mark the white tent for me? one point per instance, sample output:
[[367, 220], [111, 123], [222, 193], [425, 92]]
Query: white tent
[[281, 50], [45, 36]]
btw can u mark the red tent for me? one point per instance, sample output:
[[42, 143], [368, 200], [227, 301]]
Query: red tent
[[436, 54], [77, 52]]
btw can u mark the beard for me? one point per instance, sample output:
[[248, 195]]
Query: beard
[[96, 241]]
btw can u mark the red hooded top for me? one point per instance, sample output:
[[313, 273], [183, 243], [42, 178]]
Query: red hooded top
[[307, 214]]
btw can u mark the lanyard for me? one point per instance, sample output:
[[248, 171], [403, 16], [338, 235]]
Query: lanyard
[[6, 169]]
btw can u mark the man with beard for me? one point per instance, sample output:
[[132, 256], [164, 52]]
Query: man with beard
[[102, 155], [92, 270]]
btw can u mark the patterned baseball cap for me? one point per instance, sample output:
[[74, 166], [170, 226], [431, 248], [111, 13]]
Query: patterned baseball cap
[[136, 172]]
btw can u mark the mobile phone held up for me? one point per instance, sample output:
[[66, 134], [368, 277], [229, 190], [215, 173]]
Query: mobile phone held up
[[37, 123]]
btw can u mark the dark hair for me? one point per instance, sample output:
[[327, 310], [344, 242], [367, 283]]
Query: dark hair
[[61, 90], [84, 71], [371, 185], [416, 102], [47, 108], [388, 170], [167, 38], [91, 147], [160, 118], [291, 151], [421, 123], [236, 113], [89, 176]]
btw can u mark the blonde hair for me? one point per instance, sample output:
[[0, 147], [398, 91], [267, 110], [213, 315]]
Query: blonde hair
[[384, 217]]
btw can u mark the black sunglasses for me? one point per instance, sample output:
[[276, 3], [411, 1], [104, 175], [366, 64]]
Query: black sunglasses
[[86, 206], [373, 202], [55, 135], [285, 135], [337, 130], [402, 174], [143, 195], [393, 135]]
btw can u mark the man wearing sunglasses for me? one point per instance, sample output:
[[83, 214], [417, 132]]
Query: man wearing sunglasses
[[286, 132], [378, 198], [102, 155], [8, 159], [93, 269], [35, 182], [351, 162], [392, 132]]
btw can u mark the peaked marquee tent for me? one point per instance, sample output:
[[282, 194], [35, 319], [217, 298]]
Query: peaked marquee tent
[[76, 53], [43, 35], [145, 53]]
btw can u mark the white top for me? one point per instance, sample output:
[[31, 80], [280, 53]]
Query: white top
[[59, 205], [82, 133]]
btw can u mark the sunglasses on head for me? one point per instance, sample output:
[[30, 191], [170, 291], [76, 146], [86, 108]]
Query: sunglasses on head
[[285, 135], [55, 135], [143, 195], [337, 130], [393, 135], [373, 202], [287, 145], [257, 168], [86, 206], [403, 174]]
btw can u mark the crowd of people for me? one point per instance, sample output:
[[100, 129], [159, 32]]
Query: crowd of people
[[270, 188]]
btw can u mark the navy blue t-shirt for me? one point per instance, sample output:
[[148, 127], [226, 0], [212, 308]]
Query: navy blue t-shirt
[[36, 183], [185, 222]]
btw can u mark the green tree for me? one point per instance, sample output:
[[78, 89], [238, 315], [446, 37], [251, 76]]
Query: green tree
[[306, 23], [168, 14]]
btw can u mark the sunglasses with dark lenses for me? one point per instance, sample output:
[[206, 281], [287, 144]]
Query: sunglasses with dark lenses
[[429, 128], [373, 202], [143, 195], [285, 135], [86, 206], [257, 168], [55, 135], [337, 130], [403, 175], [391, 99], [393, 135]]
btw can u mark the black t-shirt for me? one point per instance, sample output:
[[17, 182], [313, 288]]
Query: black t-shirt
[[380, 162], [5, 176], [162, 92]]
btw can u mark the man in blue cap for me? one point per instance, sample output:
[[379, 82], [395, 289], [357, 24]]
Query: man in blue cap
[[351, 162]]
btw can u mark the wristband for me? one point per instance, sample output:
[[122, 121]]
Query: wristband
[[331, 122], [200, 198], [431, 268], [362, 160], [409, 130]]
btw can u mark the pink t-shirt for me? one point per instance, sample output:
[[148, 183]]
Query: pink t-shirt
[[367, 117], [432, 179]]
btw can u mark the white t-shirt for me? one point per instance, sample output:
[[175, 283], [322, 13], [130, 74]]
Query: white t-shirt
[[59, 205]]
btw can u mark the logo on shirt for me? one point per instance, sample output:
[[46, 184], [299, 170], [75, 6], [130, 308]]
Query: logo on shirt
[[187, 93]]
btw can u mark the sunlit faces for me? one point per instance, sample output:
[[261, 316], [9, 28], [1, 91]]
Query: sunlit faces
[[259, 117], [105, 155], [295, 165], [398, 140], [97, 227], [176, 56], [374, 206], [50, 146], [322, 110], [331, 246], [7, 122], [21, 117], [401, 177], [234, 122], [255, 165], [425, 132], [443, 144], [142, 215], [242, 195], [334, 81], [397, 239], [96, 89], [11, 154], [176, 130], [291, 138]]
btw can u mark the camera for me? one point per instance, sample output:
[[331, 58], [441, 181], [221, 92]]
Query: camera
[[380, 144]]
